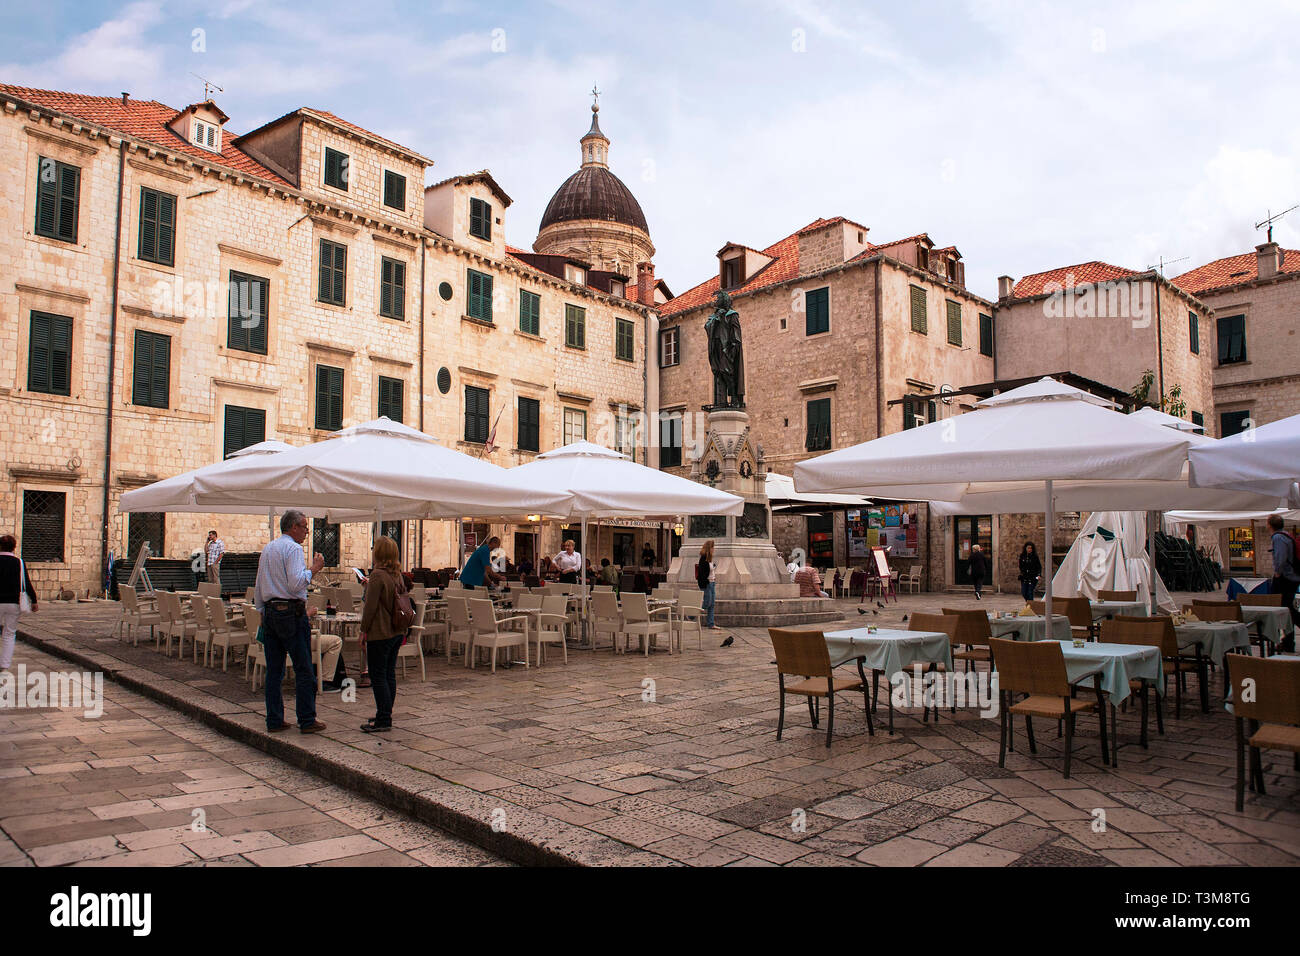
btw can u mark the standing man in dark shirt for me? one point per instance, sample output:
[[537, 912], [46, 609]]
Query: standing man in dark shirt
[[14, 582], [1286, 572]]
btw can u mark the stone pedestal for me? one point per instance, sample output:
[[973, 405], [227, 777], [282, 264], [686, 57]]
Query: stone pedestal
[[753, 586]]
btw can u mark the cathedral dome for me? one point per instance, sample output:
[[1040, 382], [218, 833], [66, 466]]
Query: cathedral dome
[[594, 193]]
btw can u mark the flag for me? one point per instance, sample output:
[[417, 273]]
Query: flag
[[491, 445]]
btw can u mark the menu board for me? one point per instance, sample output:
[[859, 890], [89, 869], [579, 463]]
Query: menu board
[[887, 526]]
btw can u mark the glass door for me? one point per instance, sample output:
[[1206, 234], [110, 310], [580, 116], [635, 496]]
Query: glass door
[[968, 530]]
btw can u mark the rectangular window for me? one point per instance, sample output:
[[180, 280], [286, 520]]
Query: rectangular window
[[325, 541], [919, 411], [394, 190], [918, 310], [392, 288], [624, 338], [954, 322], [476, 414], [575, 425], [58, 196], [43, 520], [336, 169], [670, 441], [333, 273], [49, 355], [625, 435], [575, 326], [392, 529], [819, 425], [1194, 332], [480, 219], [329, 398], [1232, 340], [149, 384], [391, 398], [479, 294], [243, 427], [1198, 419], [157, 226], [817, 316], [670, 346], [1233, 423], [530, 312], [530, 411], [733, 273], [246, 311], [986, 335], [145, 527]]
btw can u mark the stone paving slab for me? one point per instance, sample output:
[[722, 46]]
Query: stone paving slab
[[210, 806], [673, 760]]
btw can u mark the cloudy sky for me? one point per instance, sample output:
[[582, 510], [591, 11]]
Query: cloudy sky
[[1031, 135]]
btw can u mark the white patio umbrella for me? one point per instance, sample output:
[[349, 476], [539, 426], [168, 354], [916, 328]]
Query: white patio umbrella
[[601, 483], [781, 494], [1154, 416], [1264, 459], [1045, 442], [382, 468]]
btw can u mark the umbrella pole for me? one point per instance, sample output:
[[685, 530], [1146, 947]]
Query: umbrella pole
[[1048, 520], [270, 524], [582, 571], [1152, 518]]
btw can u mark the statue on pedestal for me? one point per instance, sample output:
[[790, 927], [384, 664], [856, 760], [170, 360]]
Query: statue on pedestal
[[726, 354]]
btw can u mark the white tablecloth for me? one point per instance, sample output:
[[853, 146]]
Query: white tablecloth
[[889, 650], [1215, 638], [1119, 664], [1101, 609], [1270, 620], [1032, 627]]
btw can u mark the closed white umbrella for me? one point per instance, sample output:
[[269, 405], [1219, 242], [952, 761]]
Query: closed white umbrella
[[781, 494], [1045, 442], [1154, 416], [1264, 459]]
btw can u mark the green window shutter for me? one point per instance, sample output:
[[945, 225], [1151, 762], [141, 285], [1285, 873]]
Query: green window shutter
[[152, 366], [819, 425], [575, 326], [530, 311], [157, 226], [817, 311], [329, 398], [954, 323], [69, 201], [247, 313], [529, 424], [476, 414], [986, 335], [1232, 341], [47, 197], [49, 359], [394, 190], [340, 273], [918, 310], [336, 173], [243, 427], [624, 340], [391, 398], [480, 296], [333, 273], [670, 442], [1194, 332], [909, 416], [392, 288], [323, 280], [480, 219]]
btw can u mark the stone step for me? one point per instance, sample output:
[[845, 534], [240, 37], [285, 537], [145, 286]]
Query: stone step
[[775, 612]]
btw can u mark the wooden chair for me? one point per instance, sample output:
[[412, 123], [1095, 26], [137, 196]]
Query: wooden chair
[[1259, 600], [176, 622], [488, 633], [1266, 692], [1117, 595], [209, 589], [639, 621], [804, 653], [1037, 669], [552, 624], [1215, 610], [1077, 609], [972, 635], [1174, 661], [1144, 634], [948, 623]]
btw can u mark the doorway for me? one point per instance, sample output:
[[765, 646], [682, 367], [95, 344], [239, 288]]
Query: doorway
[[624, 550], [969, 530], [524, 548], [821, 540]]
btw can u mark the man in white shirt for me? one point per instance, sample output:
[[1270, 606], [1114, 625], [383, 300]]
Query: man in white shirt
[[568, 562], [213, 550]]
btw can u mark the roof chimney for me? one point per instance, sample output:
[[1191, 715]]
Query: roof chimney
[[125, 97], [645, 283], [1005, 284], [1268, 258]]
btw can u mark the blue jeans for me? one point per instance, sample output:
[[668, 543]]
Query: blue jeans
[[382, 658], [710, 598], [1027, 589], [288, 632]]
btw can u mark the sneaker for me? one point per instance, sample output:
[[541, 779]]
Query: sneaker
[[313, 728], [370, 727], [331, 687], [276, 730]]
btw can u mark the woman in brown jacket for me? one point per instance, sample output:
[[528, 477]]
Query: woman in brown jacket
[[377, 634]]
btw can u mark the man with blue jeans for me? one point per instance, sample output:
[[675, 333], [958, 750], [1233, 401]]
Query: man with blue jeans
[[281, 596], [1286, 574]]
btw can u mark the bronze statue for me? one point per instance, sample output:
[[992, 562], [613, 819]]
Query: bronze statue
[[726, 354]]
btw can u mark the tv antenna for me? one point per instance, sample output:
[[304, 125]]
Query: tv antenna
[[1272, 219], [208, 86], [1166, 262]]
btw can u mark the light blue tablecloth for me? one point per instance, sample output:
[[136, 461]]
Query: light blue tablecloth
[[1271, 620], [1101, 609], [1215, 638], [1032, 628], [1119, 664], [889, 650]]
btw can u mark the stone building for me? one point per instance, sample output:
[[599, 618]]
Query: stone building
[[845, 340], [1254, 302], [174, 291]]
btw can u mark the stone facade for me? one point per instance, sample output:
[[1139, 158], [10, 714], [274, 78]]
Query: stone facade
[[268, 223]]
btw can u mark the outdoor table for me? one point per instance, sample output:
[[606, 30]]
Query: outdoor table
[[889, 651], [1119, 664], [1032, 627], [1215, 638], [1249, 586], [1108, 609], [341, 624], [1268, 621]]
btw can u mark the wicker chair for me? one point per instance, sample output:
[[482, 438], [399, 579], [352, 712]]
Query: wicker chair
[[1077, 609], [973, 634], [804, 653], [1179, 663], [1273, 709], [1259, 600], [1037, 669], [1117, 595]]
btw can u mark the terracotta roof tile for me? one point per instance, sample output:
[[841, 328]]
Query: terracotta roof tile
[[1084, 273], [145, 120], [1234, 270]]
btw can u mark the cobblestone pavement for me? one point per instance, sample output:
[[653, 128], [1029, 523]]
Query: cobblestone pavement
[[126, 789], [693, 773]]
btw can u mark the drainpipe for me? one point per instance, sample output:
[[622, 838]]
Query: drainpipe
[[1160, 349], [419, 525], [645, 386], [880, 420], [112, 362]]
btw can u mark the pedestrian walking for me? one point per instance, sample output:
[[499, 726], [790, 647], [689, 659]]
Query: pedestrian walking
[[17, 597], [212, 553], [706, 576], [1031, 569], [979, 569], [384, 623]]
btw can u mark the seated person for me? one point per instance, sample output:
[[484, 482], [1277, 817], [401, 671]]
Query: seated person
[[647, 556], [608, 573], [809, 581]]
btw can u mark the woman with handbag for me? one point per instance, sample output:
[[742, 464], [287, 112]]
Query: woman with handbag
[[706, 576], [17, 596], [384, 621]]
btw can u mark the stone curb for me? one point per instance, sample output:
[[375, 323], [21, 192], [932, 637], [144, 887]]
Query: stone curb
[[533, 839]]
